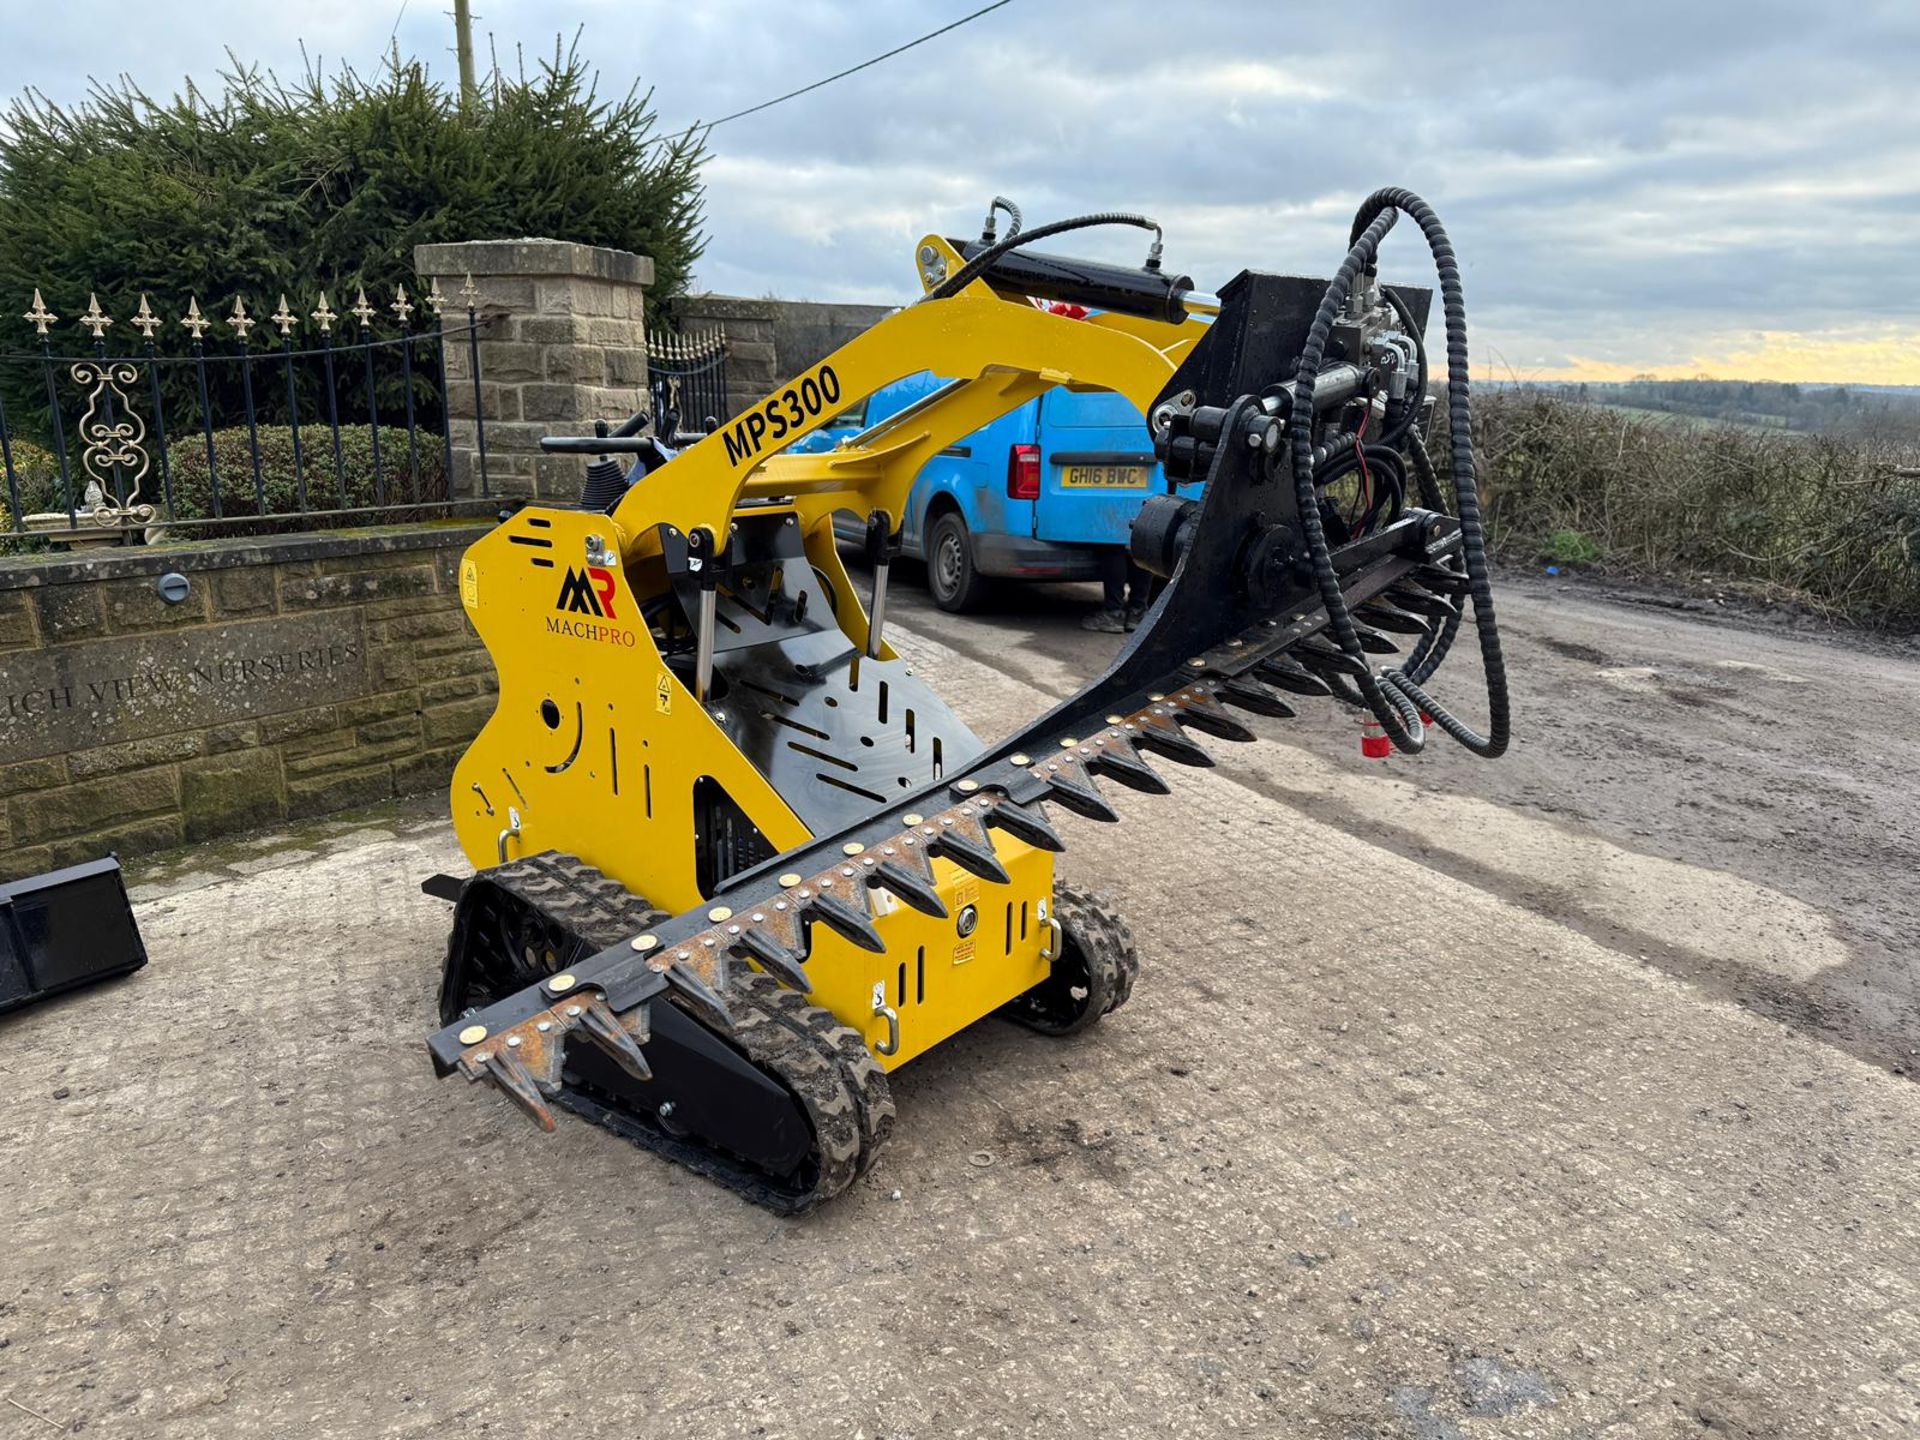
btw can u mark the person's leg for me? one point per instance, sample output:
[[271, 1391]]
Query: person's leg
[[1110, 618], [1139, 593]]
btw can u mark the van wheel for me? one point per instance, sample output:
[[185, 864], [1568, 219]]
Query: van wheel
[[955, 584]]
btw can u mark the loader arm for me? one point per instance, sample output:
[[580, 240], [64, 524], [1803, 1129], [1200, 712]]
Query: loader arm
[[999, 355]]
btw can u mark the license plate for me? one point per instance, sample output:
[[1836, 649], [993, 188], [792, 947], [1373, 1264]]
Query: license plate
[[1105, 477]]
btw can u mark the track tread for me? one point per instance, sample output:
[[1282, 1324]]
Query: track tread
[[1094, 932], [825, 1064]]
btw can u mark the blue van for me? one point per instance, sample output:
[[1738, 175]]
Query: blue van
[[1033, 496]]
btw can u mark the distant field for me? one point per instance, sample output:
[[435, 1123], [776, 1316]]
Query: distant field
[[1770, 425]]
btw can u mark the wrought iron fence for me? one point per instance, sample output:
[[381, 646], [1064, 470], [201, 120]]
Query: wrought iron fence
[[274, 460], [687, 374]]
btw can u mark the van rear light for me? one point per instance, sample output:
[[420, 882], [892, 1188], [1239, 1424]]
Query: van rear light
[[1023, 472]]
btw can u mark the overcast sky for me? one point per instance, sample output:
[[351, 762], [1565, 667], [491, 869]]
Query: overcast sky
[[1720, 186]]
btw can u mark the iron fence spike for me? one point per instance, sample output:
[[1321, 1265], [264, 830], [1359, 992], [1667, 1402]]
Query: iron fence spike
[[96, 319], [39, 314]]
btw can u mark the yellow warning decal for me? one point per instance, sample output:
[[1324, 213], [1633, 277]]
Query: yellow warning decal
[[469, 584], [663, 693]]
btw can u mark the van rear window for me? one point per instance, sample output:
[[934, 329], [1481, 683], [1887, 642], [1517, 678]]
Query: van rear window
[[1096, 409]]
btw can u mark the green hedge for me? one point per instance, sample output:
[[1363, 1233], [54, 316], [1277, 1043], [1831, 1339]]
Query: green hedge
[[1811, 518], [266, 187], [192, 480], [37, 473]]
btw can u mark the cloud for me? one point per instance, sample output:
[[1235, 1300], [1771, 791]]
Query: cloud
[[1640, 186]]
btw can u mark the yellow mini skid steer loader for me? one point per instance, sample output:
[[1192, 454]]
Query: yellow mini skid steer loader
[[737, 862]]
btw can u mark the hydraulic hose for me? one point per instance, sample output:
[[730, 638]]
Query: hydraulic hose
[[1393, 696], [980, 263], [1435, 644]]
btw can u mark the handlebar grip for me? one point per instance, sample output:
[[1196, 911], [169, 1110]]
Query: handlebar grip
[[596, 444]]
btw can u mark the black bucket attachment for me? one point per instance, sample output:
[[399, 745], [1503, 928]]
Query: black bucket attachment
[[64, 929]]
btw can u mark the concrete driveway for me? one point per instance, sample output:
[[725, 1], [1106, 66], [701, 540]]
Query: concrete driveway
[[1374, 1152]]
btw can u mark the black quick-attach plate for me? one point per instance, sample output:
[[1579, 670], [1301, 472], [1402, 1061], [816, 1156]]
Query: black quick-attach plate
[[1262, 328], [837, 733], [65, 929]]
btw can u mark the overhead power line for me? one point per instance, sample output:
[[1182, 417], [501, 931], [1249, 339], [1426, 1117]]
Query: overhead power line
[[850, 70]]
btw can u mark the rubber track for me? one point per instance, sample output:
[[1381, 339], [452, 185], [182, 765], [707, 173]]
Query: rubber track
[[1093, 927], [826, 1065]]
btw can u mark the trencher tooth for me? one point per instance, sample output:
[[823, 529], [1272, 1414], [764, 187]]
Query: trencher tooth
[[1024, 824], [1118, 760], [1165, 738], [1373, 642], [913, 890], [1421, 602], [1253, 696], [976, 857], [848, 920], [1441, 580], [777, 958], [1209, 717], [604, 1029], [701, 996], [1322, 655], [1290, 675], [516, 1082], [1387, 616], [1071, 783]]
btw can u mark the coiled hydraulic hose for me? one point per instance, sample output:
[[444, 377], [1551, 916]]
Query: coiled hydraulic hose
[[1394, 696]]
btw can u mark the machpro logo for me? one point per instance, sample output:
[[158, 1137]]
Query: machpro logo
[[588, 592]]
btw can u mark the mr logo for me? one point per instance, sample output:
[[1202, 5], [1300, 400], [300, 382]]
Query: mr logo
[[588, 593]]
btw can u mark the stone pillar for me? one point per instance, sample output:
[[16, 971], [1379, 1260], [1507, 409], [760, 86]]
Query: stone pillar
[[753, 363], [565, 345]]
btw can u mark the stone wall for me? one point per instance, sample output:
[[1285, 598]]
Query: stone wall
[[565, 344], [771, 341], [295, 677]]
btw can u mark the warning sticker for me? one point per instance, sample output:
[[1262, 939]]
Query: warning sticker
[[663, 693], [963, 952], [469, 584]]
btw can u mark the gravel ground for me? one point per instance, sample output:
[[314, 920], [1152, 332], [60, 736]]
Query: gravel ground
[[1715, 791], [1399, 1136]]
